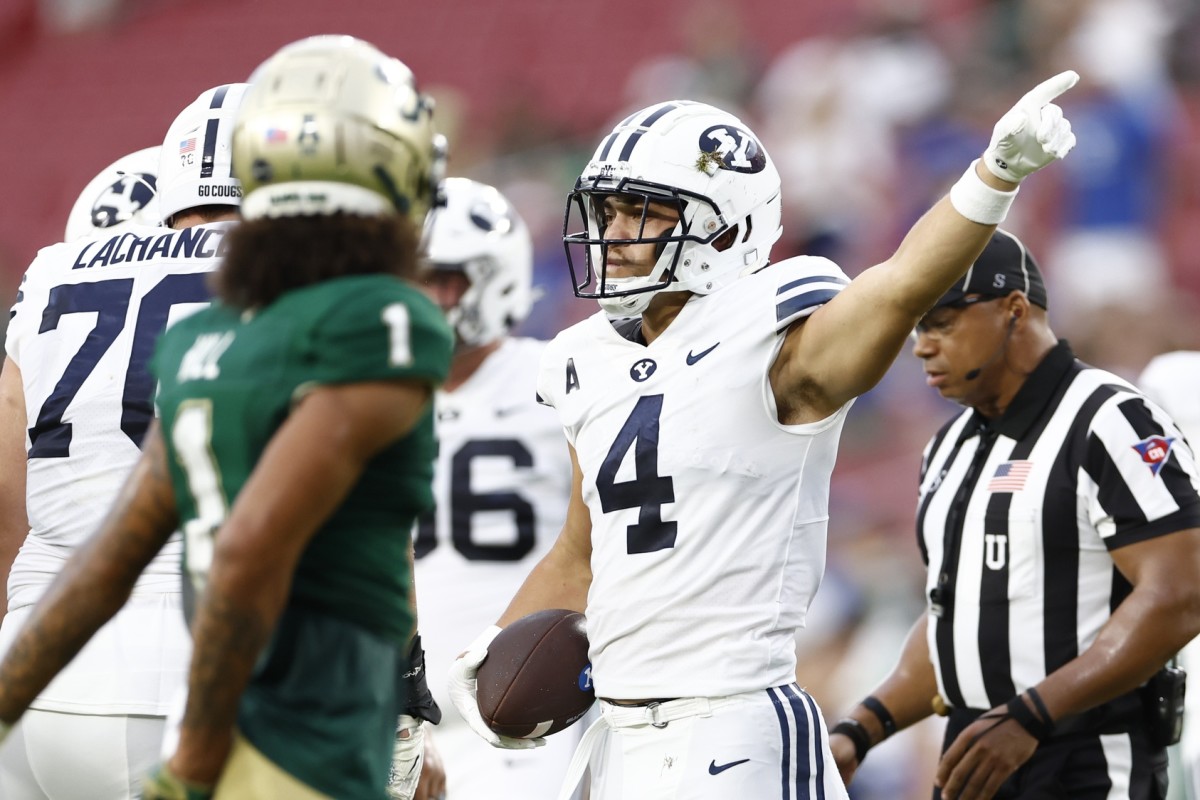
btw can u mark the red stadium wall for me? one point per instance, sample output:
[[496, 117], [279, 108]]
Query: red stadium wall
[[73, 103]]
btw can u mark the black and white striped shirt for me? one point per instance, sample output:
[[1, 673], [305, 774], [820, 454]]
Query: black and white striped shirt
[[1017, 517]]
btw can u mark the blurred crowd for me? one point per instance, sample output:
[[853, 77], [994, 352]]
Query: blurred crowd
[[869, 120]]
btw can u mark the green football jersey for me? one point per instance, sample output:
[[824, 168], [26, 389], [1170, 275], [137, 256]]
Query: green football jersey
[[229, 379]]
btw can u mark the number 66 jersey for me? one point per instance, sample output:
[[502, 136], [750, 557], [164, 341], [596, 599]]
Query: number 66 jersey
[[708, 515], [502, 482]]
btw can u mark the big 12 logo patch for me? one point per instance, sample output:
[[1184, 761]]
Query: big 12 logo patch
[[1154, 451]]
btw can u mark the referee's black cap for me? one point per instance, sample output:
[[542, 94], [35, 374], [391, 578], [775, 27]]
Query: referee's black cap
[[1004, 266]]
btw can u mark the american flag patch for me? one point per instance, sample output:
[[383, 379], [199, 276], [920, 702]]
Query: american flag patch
[[1010, 476], [276, 135], [187, 145]]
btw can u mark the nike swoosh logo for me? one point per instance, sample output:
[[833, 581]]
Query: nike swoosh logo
[[693, 358], [713, 769]]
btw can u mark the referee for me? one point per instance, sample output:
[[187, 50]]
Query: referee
[[1060, 523]]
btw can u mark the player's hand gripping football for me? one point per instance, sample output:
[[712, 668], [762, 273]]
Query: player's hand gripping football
[[462, 688], [1032, 133]]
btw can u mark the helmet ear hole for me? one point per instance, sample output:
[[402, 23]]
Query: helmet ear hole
[[726, 239]]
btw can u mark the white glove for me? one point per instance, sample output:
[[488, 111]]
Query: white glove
[[408, 755], [1033, 132], [462, 687]]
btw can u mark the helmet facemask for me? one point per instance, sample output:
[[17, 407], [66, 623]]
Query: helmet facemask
[[587, 247]]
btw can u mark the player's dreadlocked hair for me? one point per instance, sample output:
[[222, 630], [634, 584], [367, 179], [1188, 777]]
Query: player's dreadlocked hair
[[268, 257]]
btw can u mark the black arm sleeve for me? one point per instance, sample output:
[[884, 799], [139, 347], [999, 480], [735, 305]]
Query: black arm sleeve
[[416, 699]]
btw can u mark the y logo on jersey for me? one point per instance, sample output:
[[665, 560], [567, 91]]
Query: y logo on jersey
[[1154, 451], [642, 370]]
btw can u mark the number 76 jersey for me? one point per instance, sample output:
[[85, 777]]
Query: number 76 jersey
[[82, 331], [708, 516]]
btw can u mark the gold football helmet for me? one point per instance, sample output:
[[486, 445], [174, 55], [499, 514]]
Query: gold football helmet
[[331, 124]]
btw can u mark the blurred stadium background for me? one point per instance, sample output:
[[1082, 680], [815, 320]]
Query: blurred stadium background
[[871, 108]]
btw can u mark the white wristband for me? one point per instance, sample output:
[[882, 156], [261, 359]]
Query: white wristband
[[979, 202]]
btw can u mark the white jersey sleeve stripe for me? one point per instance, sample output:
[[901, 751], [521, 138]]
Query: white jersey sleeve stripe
[[788, 287], [801, 297], [795, 308]]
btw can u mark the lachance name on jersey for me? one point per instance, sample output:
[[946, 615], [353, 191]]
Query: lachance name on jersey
[[201, 241]]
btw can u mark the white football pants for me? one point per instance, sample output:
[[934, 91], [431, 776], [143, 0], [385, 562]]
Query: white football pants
[[764, 744], [477, 771], [96, 730], [55, 756]]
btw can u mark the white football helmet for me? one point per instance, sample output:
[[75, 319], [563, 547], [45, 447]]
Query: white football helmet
[[330, 125], [708, 164], [195, 164], [480, 234], [122, 194]]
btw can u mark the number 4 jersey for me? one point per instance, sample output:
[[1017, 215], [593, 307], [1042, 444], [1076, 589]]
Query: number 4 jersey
[[229, 379], [82, 331], [708, 516]]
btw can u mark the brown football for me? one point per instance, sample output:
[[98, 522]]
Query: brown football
[[536, 679]]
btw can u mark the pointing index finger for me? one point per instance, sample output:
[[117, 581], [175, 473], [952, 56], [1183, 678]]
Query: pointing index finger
[[1049, 89]]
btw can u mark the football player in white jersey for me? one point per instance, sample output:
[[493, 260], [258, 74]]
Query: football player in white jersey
[[703, 429], [121, 195], [77, 398], [503, 474], [1173, 381]]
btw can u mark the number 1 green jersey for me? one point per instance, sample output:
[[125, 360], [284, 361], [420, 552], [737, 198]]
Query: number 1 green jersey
[[229, 379]]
